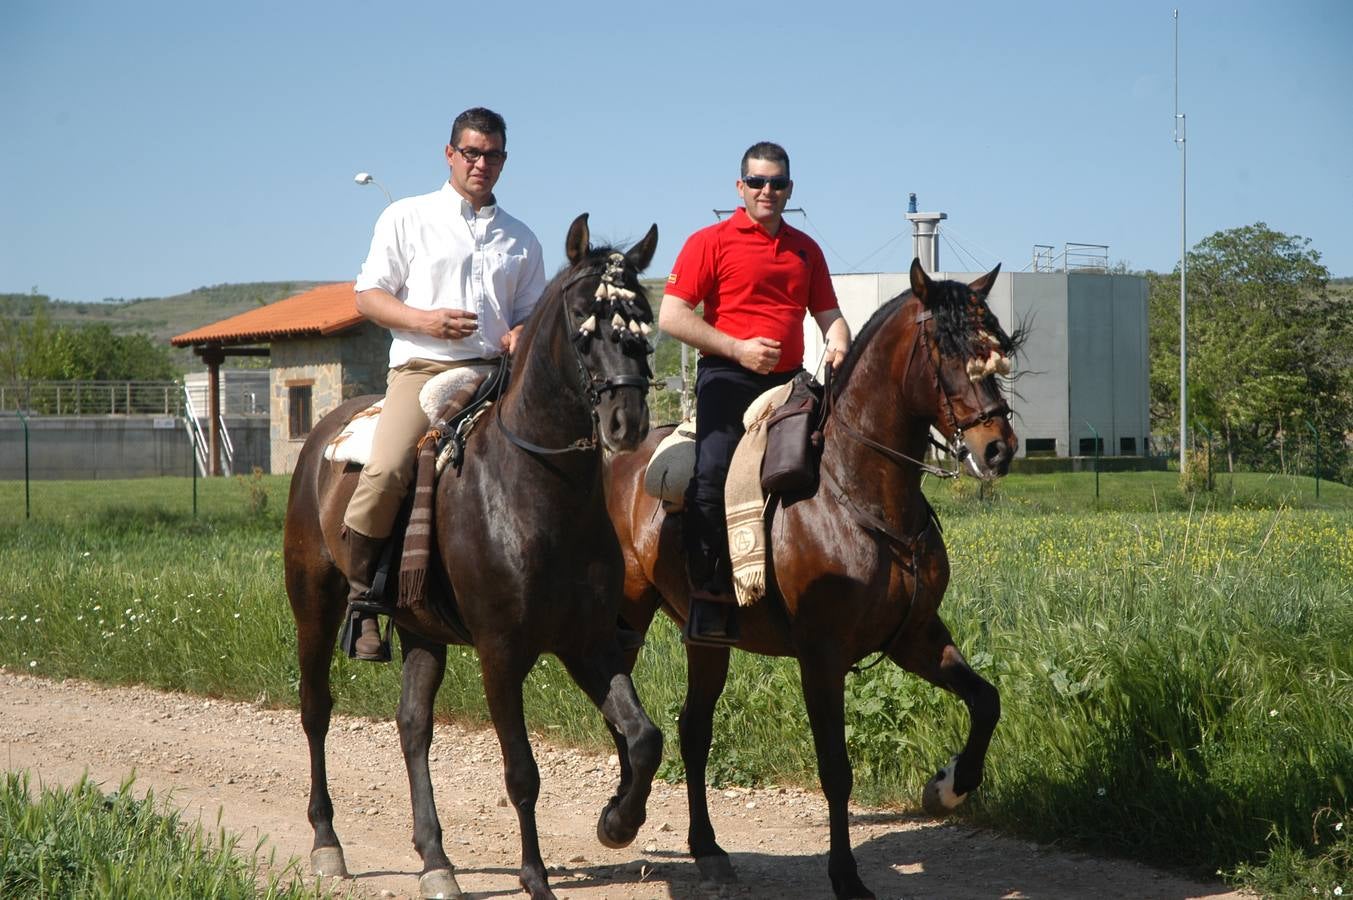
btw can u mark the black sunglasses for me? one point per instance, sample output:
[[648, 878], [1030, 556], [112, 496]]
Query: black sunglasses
[[473, 155], [757, 182]]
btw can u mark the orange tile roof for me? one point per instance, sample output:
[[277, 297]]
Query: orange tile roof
[[323, 310]]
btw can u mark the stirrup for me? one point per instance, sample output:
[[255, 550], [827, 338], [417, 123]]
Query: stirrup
[[347, 638], [374, 607], [728, 639]]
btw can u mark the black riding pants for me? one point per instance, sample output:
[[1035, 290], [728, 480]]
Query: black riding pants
[[723, 391]]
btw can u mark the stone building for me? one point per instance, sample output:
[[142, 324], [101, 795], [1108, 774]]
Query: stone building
[[320, 351]]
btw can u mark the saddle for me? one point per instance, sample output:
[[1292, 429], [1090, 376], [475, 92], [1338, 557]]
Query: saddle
[[778, 455], [792, 452], [352, 444]]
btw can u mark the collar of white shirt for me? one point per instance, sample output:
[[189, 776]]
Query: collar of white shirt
[[487, 211]]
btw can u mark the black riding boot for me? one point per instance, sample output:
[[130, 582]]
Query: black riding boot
[[713, 618], [364, 556]]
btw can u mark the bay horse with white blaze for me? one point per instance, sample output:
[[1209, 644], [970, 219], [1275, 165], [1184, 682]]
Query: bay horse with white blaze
[[858, 566], [524, 551]]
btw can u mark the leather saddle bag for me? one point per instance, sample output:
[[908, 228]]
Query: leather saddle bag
[[793, 440]]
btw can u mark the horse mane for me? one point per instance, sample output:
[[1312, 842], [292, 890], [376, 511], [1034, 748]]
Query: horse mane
[[959, 318]]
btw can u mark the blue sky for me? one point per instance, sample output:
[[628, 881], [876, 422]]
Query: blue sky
[[150, 148]]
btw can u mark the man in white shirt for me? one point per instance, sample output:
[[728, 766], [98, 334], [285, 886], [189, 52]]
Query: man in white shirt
[[454, 278]]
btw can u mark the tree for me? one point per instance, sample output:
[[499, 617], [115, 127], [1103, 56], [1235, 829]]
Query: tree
[[1267, 346], [32, 349]]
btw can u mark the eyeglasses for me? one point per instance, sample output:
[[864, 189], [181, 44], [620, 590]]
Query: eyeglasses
[[473, 155], [757, 182]]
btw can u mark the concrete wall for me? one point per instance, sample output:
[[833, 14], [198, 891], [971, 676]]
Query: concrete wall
[[68, 447], [1039, 303]]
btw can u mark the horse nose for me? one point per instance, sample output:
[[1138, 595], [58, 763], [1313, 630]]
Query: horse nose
[[628, 425], [997, 456]]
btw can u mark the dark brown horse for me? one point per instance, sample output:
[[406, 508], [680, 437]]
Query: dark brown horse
[[526, 553], [859, 566]]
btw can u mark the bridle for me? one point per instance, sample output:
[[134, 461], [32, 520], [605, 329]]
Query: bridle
[[627, 328], [956, 447]]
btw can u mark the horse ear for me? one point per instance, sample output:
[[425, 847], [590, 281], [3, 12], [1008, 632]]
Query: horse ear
[[920, 281], [578, 241], [641, 254], [982, 286]]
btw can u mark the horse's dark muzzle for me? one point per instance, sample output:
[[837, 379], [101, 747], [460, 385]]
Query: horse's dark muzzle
[[623, 419], [997, 457]]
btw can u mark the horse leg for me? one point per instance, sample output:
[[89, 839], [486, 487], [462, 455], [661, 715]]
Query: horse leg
[[706, 675], [503, 672], [638, 617], [424, 664], [317, 625], [934, 657], [824, 697], [606, 681]]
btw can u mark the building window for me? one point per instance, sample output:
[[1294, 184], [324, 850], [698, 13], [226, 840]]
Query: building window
[[1090, 445], [1127, 446], [1040, 447], [298, 409]]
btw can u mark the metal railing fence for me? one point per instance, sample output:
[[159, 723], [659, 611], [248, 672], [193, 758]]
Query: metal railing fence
[[93, 398]]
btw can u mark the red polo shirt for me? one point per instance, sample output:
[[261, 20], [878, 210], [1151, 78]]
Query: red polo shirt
[[752, 284]]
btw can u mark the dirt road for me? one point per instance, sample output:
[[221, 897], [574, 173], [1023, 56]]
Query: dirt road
[[250, 764]]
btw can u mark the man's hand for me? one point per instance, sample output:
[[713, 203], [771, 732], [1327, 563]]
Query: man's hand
[[836, 354], [509, 340], [450, 324], [758, 354]]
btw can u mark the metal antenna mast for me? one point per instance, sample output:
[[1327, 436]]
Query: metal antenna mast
[[1179, 139]]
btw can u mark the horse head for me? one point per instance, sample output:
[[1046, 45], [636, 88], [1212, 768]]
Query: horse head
[[970, 353], [611, 319]]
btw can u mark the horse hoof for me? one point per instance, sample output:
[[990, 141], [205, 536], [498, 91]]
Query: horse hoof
[[438, 884], [716, 870], [939, 798], [328, 861], [607, 838]]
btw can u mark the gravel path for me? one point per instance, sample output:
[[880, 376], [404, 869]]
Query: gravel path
[[250, 764]]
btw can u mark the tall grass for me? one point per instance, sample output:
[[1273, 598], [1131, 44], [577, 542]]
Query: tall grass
[[79, 842], [1177, 683]]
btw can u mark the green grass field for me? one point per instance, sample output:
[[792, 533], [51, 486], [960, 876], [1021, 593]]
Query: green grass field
[[1176, 672], [80, 842]]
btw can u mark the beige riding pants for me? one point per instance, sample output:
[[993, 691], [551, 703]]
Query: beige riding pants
[[388, 474]]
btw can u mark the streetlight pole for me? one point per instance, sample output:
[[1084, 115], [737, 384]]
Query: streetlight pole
[[1179, 139], [365, 178]]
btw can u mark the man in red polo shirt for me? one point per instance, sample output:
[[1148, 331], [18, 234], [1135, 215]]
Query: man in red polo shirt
[[756, 276]]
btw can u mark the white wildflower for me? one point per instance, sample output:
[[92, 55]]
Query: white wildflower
[[1272, 713], [32, 664]]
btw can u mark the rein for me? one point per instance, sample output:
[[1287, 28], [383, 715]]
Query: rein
[[594, 386]]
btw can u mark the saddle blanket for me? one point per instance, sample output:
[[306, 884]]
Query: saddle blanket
[[353, 443]]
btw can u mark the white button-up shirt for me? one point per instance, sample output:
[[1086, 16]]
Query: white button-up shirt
[[433, 251]]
